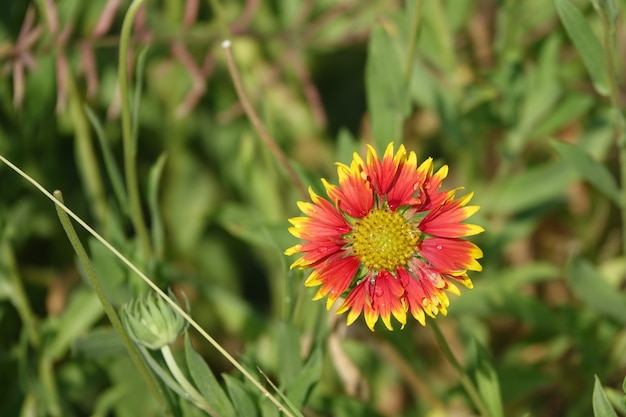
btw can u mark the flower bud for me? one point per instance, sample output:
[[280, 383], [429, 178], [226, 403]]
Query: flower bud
[[152, 322]]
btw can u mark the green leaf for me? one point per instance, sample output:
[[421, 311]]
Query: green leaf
[[601, 405], [306, 379], [591, 170], [570, 108], [530, 188], [588, 285], [111, 166], [387, 97], [242, 400], [289, 351], [487, 382], [206, 383], [586, 43], [154, 179], [82, 312], [113, 275], [99, 343], [610, 8], [346, 146]]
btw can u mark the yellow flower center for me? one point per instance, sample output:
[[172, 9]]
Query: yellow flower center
[[384, 240]]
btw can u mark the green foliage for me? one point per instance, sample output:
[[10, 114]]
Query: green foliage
[[522, 100], [601, 405]]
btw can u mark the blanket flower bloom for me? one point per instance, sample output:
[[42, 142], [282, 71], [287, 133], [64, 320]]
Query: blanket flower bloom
[[387, 238]]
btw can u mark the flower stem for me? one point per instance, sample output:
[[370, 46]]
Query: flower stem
[[134, 353], [130, 149], [267, 139], [609, 58], [464, 378], [194, 395]]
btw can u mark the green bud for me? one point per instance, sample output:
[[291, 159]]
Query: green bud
[[152, 322]]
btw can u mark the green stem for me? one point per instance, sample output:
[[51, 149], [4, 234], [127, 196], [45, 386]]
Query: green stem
[[51, 391], [415, 25], [609, 58], [464, 378], [267, 139], [194, 395], [130, 150], [134, 353]]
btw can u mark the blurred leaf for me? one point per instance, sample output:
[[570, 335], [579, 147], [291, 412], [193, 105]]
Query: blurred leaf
[[306, 379], [289, 354], [190, 194], [569, 109], [109, 161], [586, 43], [156, 220], [99, 343], [594, 172], [81, 313], [242, 400], [530, 188], [206, 383], [601, 405], [610, 8], [346, 146], [387, 97], [591, 288], [111, 273], [487, 381], [244, 223]]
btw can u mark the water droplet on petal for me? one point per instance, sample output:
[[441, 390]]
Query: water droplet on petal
[[322, 249], [439, 246], [378, 292]]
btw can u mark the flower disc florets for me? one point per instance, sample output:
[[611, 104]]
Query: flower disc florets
[[383, 240], [387, 239]]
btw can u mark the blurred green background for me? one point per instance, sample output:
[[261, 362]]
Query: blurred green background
[[494, 89]]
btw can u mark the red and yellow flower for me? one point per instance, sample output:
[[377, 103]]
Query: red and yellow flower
[[387, 238]]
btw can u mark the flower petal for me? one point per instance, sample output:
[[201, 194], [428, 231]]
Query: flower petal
[[451, 256], [335, 276], [376, 297], [445, 220]]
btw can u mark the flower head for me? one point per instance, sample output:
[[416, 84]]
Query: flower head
[[388, 238]]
